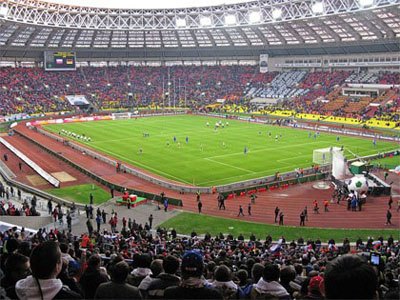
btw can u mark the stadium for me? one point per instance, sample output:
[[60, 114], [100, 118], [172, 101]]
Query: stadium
[[208, 149]]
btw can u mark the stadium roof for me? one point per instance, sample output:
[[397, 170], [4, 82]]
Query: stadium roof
[[277, 27], [148, 4]]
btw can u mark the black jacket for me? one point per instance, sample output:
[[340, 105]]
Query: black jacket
[[163, 281], [179, 292], [90, 281]]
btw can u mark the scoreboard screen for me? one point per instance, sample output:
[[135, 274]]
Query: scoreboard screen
[[59, 61]]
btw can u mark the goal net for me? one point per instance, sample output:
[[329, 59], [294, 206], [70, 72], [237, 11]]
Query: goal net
[[323, 156], [122, 115]]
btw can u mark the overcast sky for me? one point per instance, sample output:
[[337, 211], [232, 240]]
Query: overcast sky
[[146, 3]]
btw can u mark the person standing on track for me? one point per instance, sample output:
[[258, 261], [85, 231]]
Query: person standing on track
[[302, 219], [221, 201], [253, 198], [388, 217], [390, 202], [198, 196], [276, 214], [281, 215], [199, 206], [240, 211]]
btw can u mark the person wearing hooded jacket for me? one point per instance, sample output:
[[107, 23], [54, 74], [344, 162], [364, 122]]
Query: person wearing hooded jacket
[[46, 264], [193, 285], [268, 286], [165, 279], [224, 284]]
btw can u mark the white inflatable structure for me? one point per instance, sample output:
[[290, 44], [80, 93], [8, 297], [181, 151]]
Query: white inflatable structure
[[358, 183]]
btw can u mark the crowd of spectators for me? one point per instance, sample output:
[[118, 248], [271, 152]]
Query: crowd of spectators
[[8, 207], [389, 78], [139, 264], [33, 90]]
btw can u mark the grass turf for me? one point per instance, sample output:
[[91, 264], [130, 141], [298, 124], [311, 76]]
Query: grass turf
[[211, 157], [185, 223], [80, 193], [387, 162]]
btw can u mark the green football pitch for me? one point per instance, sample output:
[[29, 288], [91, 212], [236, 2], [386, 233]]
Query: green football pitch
[[211, 156]]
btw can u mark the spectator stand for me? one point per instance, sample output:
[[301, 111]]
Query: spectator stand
[[28, 191]]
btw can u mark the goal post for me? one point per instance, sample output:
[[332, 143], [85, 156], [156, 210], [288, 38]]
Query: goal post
[[323, 156], [332, 156], [122, 115]]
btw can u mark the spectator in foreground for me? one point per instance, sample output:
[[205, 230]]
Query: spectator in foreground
[[16, 268], [192, 285], [156, 268], [46, 264], [92, 277], [118, 288], [224, 284], [165, 279], [268, 286], [143, 262], [350, 277]]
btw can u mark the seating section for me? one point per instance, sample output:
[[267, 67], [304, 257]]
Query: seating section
[[363, 78], [32, 90], [389, 78], [284, 86]]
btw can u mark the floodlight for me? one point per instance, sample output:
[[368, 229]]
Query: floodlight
[[230, 20], [181, 22], [88, 84], [169, 83], [318, 8], [205, 21], [366, 3], [254, 17], [3, 10], [67, 85], [276, 13], [149, 83], [129, 84]]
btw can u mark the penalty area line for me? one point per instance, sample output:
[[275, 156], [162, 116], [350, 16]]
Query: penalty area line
[[228, 165]]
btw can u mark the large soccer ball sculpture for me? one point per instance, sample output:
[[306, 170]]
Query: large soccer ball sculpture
[[358, 183]]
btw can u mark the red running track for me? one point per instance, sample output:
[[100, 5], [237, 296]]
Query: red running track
[[291, 200]]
